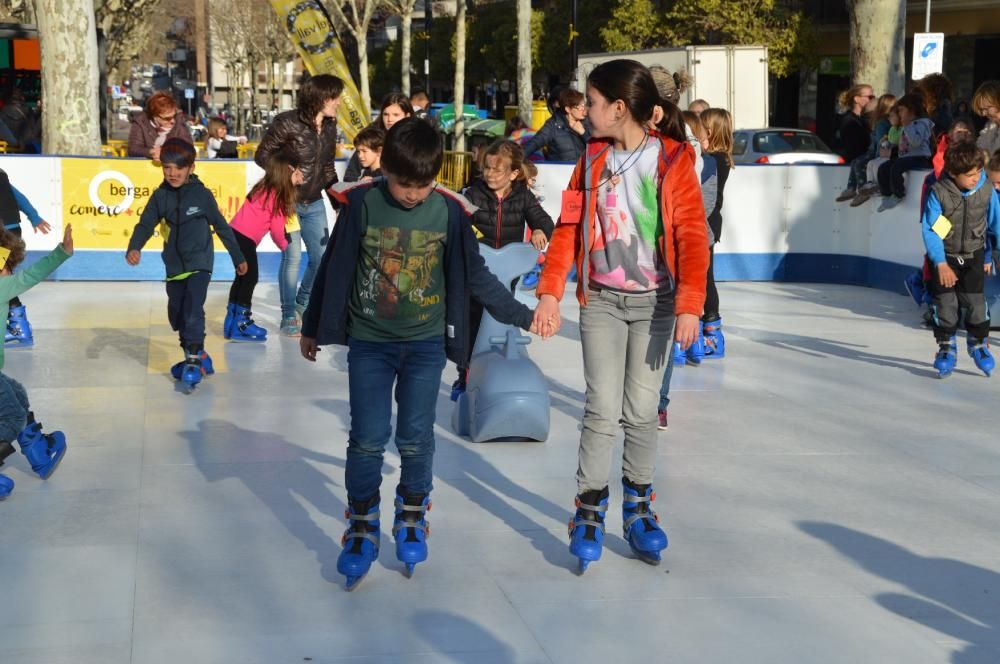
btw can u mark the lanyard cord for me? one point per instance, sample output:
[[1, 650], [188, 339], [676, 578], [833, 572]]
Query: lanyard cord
[[629, 162]]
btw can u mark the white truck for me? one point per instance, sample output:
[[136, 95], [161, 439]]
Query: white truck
[[730, 77]]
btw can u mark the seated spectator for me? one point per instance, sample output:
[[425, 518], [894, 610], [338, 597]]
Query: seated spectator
[[220, 145]]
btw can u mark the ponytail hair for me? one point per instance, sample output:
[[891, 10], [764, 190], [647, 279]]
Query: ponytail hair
[[276, 185], [846, 98], [629, 81]]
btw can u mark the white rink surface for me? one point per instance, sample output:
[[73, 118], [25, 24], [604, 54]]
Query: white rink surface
[[827, 501]]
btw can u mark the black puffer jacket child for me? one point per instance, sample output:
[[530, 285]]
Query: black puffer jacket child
[[501, 222]]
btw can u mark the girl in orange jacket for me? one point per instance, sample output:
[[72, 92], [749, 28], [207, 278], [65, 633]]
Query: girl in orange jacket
[[633, 224]]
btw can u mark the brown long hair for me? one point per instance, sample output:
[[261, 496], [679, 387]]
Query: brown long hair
[[882, 108], [277, 183], [719, 125], [510, 150]]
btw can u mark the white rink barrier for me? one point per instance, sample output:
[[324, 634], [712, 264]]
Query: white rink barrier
[[780, 221]]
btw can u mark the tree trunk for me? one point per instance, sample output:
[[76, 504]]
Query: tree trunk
[[405, 42], [460, 76], [366, 98], [70, 113], [524, 96], [878, 34]]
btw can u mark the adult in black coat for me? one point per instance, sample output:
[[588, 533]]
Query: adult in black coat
[[564, 136]]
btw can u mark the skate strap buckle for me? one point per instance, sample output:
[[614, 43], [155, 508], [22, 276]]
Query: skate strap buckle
[[424, 526], [593, 508], [636, 517], [638, 499], [360, 517], [352, 534], [403, 507], [578, 521]]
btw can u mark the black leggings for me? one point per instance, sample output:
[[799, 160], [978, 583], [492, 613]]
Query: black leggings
[[711, 292], [241, 292], [14, 301]]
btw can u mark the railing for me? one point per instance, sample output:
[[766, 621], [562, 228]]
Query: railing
[[455, 170]]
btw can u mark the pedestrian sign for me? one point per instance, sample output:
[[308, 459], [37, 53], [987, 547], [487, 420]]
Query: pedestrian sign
[[928, 54]]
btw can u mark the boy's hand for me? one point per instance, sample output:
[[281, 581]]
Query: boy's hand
[[988, 268], [538, 239], [687, 330], [67, 241], [308, 348], [946, 276], [43, 226], [241, 269], [132, 257]]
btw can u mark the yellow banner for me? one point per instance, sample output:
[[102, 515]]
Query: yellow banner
[[314, 38], [104, 198]]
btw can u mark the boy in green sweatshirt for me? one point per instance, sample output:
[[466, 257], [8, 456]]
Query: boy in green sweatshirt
[[17, 422]]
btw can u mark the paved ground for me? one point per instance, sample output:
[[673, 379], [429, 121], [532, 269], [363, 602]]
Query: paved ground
[[826, 498]]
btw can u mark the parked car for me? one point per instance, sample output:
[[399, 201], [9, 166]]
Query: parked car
[[781, 146]]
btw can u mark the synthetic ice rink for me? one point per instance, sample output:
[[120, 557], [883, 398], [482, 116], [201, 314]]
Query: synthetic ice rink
[[827, 500]]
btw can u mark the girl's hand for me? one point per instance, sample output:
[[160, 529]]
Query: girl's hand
[[67, 241], [538, 240], [547, 320], [132, 257], [308, 348], [686, 331], [44, 227], [241, 269]]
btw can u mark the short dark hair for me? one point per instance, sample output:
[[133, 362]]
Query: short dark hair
[[177, 152], [915, 104], [568, 98], [371, 137], [16, 245], [962, 157], [412, 151], [314, 94]]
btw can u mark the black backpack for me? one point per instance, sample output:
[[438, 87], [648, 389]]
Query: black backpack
[[227, 150]]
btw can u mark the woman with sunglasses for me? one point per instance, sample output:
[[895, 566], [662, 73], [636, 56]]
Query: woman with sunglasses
[[161, 121], [854, 133]]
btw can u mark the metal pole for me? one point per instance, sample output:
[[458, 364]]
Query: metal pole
[[428, 20], [927, 17]]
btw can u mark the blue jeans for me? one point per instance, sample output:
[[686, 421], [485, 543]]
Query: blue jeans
[[665, 385], [373, 367], [288, 274], [13, 408], [312, 219]]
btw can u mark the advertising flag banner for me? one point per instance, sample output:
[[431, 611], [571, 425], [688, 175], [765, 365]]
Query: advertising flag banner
[[311, 31]]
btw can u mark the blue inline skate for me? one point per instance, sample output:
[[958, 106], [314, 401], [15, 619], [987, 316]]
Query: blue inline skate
[[946, 358], [586, 528], [43, 450], [979, 351], [227, 324], [411, 528], [680, 356], [360, 541], [19, 332], [715, 341], [6, 484], [696, 351], [244, 329], [641, 525]]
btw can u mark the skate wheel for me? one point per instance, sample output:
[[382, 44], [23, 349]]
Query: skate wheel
[[409, 569]]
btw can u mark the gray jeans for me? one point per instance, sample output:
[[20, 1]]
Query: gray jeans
[[13, 408], [626, 342]]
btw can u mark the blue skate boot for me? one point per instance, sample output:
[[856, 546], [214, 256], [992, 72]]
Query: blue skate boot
[[360, 540], [640, 523], [530, 280], [411, 528], [207, 368], [191, 370], [696, 351], [914, 285], [43, 450], [980, 353], [18, 328], [680, 356], [715, 341], [6, 484], [586, 528], [227, 324], [244, 329], [946, 358]]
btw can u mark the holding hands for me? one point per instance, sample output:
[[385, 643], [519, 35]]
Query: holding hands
[[547, 320]]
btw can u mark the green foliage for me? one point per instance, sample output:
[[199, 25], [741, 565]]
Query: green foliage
[[492, 42], [554, 49], [384, 65], [643, 24], [636, 25]]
